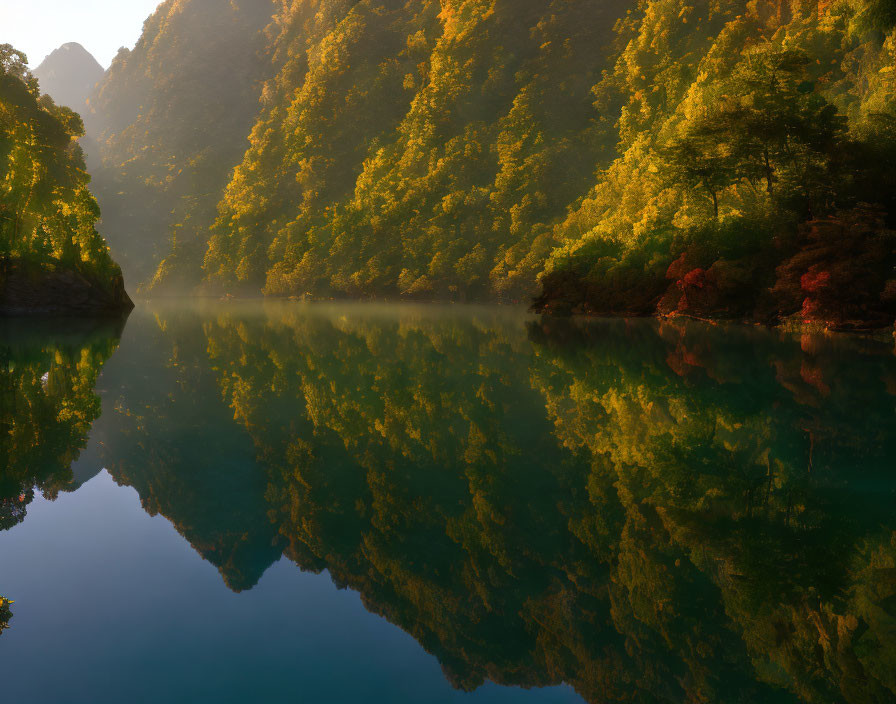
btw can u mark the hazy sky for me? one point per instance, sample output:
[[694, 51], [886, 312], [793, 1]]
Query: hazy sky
[[101, 26]]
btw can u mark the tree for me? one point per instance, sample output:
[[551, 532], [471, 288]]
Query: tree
[[702, 158], [47, 214]]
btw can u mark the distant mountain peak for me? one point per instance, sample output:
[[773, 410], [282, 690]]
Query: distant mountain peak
[[69, 51], [72, 46], [69, 75]]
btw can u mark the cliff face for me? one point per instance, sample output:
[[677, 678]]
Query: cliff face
[[69, 75]]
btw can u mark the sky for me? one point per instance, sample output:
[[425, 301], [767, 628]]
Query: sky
[[37, 27]]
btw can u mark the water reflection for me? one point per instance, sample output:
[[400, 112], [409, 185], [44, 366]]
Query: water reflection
[[649, 512], [49, 370]]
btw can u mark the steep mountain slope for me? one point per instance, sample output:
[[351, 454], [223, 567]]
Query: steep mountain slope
[[756, 168], [746, 137], [170, 119], [416, 148], [719, 158], [69, 75]]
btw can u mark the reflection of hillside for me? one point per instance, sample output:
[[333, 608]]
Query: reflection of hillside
[[761, 463], [170, 438], [47, 405], [406, 459], [648, 512]]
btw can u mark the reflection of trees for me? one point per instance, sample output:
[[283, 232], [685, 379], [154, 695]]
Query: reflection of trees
[[405, 458], [764, 467], [48, 405], [688, 520], [171, 439], [5, 614], [650, 512]]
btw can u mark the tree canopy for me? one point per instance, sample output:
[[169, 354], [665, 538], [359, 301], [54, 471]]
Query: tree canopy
[[47, 213]]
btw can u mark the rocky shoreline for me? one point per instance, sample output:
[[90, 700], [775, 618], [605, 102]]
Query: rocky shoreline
[[29, 289]]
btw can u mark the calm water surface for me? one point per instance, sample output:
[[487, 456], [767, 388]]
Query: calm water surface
[[362, 503]]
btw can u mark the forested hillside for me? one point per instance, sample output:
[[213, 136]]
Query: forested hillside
[[169, 121], [416, 149], [756, 168], [51, 257], [710, 157]]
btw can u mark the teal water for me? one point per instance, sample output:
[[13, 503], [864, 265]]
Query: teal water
[[366, 503]]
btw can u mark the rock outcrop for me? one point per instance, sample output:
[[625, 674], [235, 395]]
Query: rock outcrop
[[33, 289]]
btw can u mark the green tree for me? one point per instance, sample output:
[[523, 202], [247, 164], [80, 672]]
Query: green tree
[[47, 214], [703, 159]]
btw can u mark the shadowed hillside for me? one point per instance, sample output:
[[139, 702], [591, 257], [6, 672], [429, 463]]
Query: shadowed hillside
[[170, 120]]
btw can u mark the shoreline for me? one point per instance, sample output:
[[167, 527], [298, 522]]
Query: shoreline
[[33, 290]]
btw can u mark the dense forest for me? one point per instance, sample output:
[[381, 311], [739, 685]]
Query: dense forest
[[755, 168], [51, 256], [605, 504], [710, 157]]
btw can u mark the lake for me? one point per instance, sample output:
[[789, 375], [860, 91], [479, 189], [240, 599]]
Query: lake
[[271, 502]]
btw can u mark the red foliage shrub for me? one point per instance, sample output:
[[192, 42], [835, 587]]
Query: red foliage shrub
[[813, 281], [680, 266], [811, 310], [695, 278], [840, 273]]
